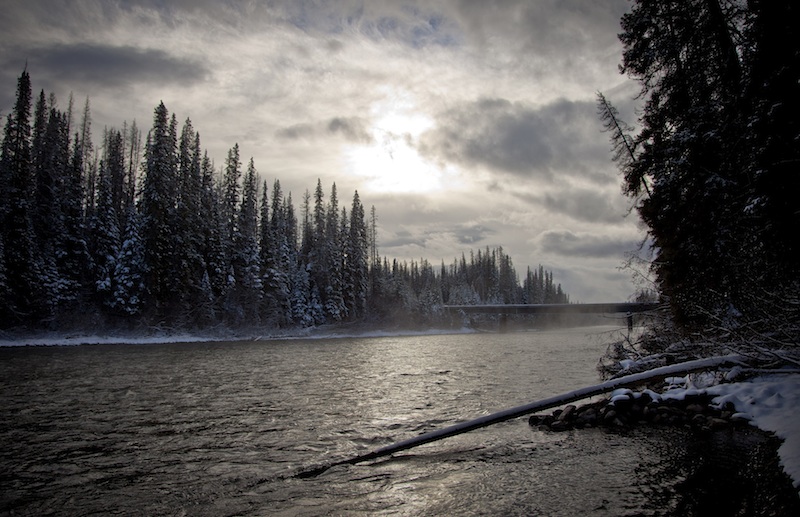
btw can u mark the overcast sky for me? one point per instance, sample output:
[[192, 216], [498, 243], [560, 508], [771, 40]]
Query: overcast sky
[[465, 123]]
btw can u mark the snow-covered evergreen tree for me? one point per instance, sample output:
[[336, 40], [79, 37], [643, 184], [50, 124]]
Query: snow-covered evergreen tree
[[157, 208], [131, 270], [189, 236], [106, 236], [246, 259], [335, 308], [16, 173], [356, 276]]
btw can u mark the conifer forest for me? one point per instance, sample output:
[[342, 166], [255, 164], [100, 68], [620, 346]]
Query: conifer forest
[[136, 232]]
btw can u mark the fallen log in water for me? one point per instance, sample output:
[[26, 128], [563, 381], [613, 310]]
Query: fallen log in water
[[508, 414]]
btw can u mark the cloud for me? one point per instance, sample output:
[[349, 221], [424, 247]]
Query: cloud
[[544, 27], [517, 138], [403, 238], [351, 129], [582, 204], [110, 65], [472, 234], [569, 244]]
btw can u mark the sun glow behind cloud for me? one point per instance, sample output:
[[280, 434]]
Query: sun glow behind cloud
[[449, 116], [390, 163]]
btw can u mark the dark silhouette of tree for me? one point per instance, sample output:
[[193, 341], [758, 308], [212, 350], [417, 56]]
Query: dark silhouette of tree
[[713, 166], [25, 296]]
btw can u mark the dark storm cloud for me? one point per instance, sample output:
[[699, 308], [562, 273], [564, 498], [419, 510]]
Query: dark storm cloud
[[547, 27], [517, 138], [468, 234], [581, 204], [585, 205], [351, 129], [114, 65], [569, 244], [404, 238], [472, 234]]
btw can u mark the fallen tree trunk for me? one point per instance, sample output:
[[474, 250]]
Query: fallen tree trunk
[[540, 405]]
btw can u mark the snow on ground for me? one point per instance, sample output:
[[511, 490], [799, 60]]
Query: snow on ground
[[770, 402], [311, 333], [103, 340]]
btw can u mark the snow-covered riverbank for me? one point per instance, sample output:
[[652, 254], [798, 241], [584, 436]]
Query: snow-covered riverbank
[[327, 332], [770, 402]]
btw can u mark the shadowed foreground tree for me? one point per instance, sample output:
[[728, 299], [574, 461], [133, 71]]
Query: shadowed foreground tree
[[714, 168]]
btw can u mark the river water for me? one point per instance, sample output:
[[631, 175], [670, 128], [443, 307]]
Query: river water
[[217, 429]]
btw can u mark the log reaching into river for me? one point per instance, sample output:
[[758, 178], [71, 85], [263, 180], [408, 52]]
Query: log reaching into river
[[540, 405]]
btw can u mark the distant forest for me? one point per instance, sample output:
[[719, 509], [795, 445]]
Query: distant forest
[[142, 233]]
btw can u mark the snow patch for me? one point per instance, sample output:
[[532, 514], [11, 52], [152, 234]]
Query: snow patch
[[770, 403]]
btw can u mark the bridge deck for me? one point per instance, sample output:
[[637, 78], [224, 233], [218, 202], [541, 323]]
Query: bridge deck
[[555, 308]]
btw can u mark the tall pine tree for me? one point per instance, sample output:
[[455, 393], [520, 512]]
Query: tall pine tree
[[26, 300]]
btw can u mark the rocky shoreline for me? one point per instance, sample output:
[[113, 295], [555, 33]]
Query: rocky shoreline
[[626, 408]]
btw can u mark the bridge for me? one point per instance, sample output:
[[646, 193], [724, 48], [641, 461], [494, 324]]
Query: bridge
[[554, 308], [505, 310]]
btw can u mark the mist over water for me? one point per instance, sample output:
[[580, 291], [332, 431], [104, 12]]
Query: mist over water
[[214, 428]]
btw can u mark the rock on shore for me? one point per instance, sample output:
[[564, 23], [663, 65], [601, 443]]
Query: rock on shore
[[627, 408]]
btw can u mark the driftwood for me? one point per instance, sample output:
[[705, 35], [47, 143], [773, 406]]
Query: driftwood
[[508, 414]]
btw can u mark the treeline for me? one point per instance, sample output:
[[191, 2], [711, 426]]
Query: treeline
[[148, 232], [713, 165]]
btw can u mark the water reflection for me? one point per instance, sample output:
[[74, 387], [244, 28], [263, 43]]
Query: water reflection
[[212, 429]]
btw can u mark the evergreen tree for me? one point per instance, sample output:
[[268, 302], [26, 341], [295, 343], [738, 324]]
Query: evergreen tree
[[335, 309], [710, 169], [75, 262], [131, 269], [106, 235], [158, 211], [772, 99], [16, 171], [50, 169], [210, 230], [229, 206], [190, 283], [276, 258], [87, 161], [5, 288], [133, 138], [319, 252], [356, 265], [246, 262]]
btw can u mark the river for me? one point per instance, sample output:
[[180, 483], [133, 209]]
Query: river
[[215, 428]]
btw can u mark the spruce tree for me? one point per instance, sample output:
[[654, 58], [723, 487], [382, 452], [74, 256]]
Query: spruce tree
[[356, 271], [158, 213], [131, 269], [246, 261], [191, 272], [106, 235], [335, 309], [16, 171]]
